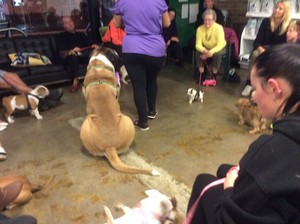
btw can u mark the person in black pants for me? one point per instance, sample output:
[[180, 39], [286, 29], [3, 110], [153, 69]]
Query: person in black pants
[[74, 48], [172, 40]]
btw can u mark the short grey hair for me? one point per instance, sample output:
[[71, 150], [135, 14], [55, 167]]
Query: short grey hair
[[209, 12]]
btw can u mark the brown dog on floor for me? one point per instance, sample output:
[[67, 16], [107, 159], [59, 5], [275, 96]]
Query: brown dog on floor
[[250, 114], [106, 131], [26, 192]]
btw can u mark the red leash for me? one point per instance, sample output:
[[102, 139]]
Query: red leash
[[84, 48]]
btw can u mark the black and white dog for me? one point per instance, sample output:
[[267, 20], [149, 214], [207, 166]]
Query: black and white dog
[[195, 95]]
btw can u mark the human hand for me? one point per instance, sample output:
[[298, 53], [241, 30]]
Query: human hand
[[175, 39], [201, 69], [208, 54], [203, 56], [261, 50], [95, 46], [231, 177]]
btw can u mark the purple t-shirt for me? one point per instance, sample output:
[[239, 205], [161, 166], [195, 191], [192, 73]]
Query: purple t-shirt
[[143, 26]]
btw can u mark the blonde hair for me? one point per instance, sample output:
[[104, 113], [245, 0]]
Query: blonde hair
[[294, 26], [285, 19]]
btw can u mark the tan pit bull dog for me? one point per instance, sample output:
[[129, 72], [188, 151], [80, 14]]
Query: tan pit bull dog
[[25, 194], [106, 131]]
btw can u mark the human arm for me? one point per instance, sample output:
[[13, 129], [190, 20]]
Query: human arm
[[166, 21], [261, 36], [118, 21], [199, 40], [220, 16], [218, 38]]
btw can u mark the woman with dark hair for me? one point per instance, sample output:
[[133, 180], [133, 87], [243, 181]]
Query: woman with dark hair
[[171, 38], [264, 187]]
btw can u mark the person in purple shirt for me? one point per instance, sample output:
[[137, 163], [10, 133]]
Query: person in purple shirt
[[143, 50]]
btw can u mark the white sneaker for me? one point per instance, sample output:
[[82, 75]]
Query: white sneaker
[[247, 90], [2, 153]]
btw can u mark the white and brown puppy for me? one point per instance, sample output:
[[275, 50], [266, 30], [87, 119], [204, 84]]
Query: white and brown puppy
[[25, 101], [250, 114], [25, 194], [157, 208], [106, 131]]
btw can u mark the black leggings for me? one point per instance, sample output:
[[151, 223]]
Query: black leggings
[[143, 71], [206, 209]]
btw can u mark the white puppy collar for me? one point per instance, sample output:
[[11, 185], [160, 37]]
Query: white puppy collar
[[104, 59]]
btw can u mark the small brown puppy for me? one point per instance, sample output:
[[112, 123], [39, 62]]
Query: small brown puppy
[[27, 189], [106, 131], [24, 101], [250, 114]]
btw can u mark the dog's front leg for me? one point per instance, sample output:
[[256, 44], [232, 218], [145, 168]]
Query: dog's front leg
[[35, 112], [9, 118], [256, 127], [241, 121]]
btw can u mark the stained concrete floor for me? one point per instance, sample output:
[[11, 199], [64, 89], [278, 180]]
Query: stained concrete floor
[[183, 140]]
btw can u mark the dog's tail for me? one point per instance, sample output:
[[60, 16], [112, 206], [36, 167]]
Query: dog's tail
[[35, 187], [113, 157], [109, 217]]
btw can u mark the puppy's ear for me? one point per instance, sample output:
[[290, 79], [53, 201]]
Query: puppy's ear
[[174, 202]]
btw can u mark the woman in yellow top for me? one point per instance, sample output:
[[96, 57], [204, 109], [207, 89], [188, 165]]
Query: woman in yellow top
[[210, 42]]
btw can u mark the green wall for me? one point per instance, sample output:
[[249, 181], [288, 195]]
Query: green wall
[[185, 29]]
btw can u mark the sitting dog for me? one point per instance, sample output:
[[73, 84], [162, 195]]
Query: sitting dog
[[106, 131], [25, 194], [195, 95], [25, 101], [250, 114], [156, 209]]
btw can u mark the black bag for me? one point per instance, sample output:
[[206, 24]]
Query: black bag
[[234, 77]]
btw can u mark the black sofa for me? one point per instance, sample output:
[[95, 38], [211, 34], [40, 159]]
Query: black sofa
[[35, 75]]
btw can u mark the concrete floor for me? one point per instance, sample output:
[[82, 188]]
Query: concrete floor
[[183, 140]]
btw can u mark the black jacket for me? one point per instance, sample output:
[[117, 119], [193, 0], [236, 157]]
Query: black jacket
[[266, 37], [267, 190]]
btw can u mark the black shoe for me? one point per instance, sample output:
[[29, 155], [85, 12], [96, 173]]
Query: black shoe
[[142, 126], [45, 104], [55, 94], [152, 114]]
